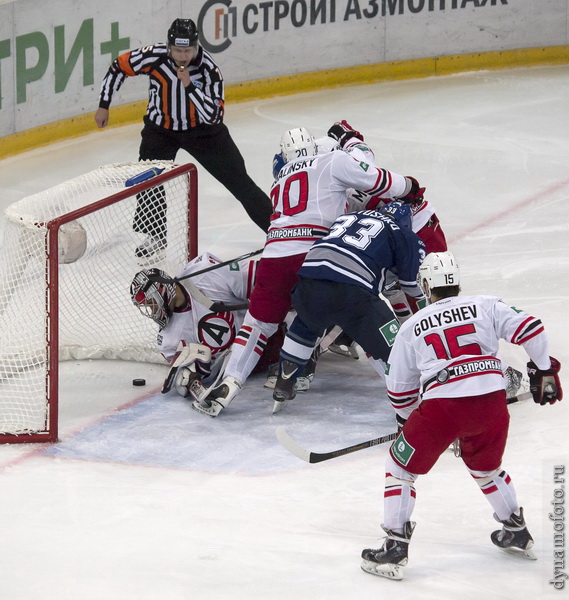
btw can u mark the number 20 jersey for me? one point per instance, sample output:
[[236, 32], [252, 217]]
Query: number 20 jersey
[[310, 193]]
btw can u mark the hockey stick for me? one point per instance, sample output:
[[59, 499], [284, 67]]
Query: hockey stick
[[213, 305], [316, 457], [212, 268]]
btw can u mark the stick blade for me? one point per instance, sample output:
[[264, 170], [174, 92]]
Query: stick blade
[[169, 381], [289, 444]]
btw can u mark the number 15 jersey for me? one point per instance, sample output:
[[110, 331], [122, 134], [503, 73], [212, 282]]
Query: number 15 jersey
[[449, 349]]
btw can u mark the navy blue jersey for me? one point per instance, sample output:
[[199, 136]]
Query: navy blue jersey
[[361, 247]]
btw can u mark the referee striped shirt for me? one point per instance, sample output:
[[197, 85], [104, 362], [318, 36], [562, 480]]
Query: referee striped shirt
[[170, 104]]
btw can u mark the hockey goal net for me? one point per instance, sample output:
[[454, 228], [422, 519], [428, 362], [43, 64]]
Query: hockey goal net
[[66, 263]]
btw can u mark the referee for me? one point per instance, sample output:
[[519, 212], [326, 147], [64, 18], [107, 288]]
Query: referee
[[185, 111]]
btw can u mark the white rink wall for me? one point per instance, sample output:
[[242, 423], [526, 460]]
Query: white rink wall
[[53, 55]]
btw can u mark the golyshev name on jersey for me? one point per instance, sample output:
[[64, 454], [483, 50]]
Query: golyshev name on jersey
[[446, 317]]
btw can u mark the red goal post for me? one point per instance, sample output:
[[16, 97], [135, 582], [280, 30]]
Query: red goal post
[[68, 257]]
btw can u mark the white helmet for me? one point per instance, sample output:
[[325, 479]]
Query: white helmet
[[440, 269], [296, 143], [326, 144]]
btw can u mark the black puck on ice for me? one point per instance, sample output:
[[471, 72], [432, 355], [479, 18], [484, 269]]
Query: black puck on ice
[[139, 382]]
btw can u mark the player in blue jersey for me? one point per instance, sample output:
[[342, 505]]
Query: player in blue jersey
[[340, 282]]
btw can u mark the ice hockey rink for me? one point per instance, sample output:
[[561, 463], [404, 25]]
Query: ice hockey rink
[[143, 498]]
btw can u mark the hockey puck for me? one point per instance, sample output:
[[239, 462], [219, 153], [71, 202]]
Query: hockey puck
[[139, 382]]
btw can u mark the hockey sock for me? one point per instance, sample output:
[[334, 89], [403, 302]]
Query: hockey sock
[[250, 343], [499, 490], [399, 496], [299, 343], [399, 304], [378, 365]]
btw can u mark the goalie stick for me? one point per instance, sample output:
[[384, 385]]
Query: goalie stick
[[316, 457]]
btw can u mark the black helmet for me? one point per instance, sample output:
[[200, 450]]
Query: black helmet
[[183, 32]]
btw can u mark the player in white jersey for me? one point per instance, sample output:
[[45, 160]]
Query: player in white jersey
[[445, 382], [308, 194], [424, 221], [196, 334]]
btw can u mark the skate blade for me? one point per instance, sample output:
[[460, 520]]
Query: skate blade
[[210, 411], [387, 570], [278, 405], [527, 554]]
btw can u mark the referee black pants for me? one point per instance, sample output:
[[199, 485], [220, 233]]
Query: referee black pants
[[213, 147]]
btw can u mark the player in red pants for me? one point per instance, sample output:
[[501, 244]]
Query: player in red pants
[[445, 383]]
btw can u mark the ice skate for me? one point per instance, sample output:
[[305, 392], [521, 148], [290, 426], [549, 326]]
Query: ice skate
[[284, 390], [219, 398], [514, 537], [344, 346], [302, 383], [389, 560], [151, 250]]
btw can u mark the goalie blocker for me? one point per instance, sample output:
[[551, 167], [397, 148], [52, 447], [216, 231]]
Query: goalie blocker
[[544, 385]]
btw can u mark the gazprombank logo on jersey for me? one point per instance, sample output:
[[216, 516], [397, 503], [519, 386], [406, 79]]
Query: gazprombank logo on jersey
[[219, 20]]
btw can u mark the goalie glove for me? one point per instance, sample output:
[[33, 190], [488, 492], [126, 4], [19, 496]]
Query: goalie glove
[[342, 132], [415, 193], [544, 385], [190, 363]]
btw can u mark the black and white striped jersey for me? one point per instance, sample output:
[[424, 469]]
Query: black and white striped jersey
[[170, 104]]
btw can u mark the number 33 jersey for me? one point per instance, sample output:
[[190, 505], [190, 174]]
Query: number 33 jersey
[[449, 349]]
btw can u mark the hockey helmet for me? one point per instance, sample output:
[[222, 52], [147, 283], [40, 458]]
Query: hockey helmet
[[439, 269], [326, 144], [297, 143], [183, 33], [152, 291], [400, 212]]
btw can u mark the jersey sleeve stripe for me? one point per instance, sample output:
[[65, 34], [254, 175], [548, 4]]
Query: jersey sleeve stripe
[[124, 64], [528, 329]]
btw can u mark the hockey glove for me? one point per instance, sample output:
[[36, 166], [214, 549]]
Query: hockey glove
[[278, 164], [190, 363], [342, 132], [415, 194], [545, 386]]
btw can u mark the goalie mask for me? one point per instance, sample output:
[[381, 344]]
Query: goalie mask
[[400, 212], [297, 143], [153, 298]]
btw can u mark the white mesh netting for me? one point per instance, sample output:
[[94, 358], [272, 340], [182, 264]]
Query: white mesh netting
[[96, 263]]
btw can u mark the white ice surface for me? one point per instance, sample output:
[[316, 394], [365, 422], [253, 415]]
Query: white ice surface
[[145, 499]]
